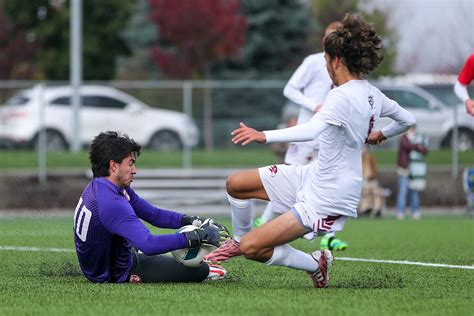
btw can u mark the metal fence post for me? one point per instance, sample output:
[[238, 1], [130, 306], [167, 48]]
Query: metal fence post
[[76, 70], [42, 134], [187, 109], [455, 145]]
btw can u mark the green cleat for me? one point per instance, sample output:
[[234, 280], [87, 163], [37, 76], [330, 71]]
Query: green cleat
[[332, 243], [258, 222]]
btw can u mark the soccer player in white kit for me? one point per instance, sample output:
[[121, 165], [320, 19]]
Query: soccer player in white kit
[[319, 196], [307, 87]]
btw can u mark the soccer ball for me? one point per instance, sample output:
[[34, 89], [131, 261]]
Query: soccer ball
[[192, 257]]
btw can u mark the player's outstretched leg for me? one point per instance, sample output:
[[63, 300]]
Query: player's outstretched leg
[[241, 187], [324, 259], [230, 249]]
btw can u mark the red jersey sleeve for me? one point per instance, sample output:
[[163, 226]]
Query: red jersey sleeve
[[467, 73]]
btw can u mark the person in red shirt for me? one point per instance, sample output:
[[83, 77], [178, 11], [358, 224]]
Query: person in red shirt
[[460, 88]]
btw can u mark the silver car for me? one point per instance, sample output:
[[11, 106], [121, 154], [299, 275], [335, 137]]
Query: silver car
[[434, 119]]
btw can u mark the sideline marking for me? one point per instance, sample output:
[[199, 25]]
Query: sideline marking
[[413, 263], [37, 249]]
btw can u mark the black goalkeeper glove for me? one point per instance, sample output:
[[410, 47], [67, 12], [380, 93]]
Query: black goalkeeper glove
[[191, 220], [198, 222], [199, 236], [223, 231], [207, 233]]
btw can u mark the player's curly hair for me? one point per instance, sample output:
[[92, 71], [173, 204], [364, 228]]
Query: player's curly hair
[[110, 146], [357, 43]]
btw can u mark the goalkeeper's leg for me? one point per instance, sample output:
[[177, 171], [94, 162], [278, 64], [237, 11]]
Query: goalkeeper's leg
[[164, 268]]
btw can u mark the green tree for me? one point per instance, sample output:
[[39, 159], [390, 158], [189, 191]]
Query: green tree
[[277, 41], [47, 23], [139, 35], [327, 11]]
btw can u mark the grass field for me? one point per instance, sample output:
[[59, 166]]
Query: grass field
[[222, 158], [46, 282]]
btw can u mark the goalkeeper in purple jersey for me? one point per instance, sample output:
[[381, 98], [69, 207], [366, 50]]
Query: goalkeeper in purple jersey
[[112, 243]]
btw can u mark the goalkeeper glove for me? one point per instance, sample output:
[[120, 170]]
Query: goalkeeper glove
[[223, 231], [199, 236], [191, 220]]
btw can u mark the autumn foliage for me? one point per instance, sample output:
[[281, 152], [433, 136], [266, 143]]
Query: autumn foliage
[[194, 34], [15, 51]]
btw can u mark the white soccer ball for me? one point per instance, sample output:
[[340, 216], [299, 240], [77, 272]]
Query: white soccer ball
[[192, 257]]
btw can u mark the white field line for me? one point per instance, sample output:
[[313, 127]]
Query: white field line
[[35, 249], [413, 263]]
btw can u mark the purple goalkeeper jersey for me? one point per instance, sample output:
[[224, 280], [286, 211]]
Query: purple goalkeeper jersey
[[107, 224]]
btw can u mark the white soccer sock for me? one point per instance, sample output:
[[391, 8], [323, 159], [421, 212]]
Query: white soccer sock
[[268, 214], [331, 234], [241, 216], [290, 257]]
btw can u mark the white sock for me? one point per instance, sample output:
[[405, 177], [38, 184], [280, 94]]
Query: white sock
[[290, 257], [241, 216], [268, 214], [331, 234]]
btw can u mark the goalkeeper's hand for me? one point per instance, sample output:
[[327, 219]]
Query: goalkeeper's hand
[[198, 222], [207, 233], [191, 220], [223, 231]]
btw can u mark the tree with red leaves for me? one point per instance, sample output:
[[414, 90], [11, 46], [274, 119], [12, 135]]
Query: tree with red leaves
[[194, 34], [16, 51]]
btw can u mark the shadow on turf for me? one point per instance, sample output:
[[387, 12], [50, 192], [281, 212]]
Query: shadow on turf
[[63, 268], [355, 278], [376, 278]]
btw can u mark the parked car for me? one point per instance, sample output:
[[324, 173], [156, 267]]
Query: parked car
[[102, 108], [434, 119], [445, 92]]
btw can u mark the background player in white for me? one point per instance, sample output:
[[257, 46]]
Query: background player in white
[[307, 87], [322, 195]]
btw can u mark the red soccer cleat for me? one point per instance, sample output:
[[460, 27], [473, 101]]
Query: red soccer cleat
[[324, 259], [229, 249]]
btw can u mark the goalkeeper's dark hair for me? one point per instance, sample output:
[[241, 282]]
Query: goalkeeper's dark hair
[[357, 43], [110, 146]]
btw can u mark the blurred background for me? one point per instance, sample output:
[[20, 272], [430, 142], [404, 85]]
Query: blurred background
[[179, 75]]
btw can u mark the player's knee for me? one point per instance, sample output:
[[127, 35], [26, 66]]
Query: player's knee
[[233, 184], [250, 248]]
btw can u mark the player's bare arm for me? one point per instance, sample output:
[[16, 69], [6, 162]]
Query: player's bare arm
[[246, 135]]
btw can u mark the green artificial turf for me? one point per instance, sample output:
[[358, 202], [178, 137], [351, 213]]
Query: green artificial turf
[[50, 283]]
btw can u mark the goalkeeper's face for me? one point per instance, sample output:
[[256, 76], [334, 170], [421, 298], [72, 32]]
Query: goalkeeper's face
[[124, 172]]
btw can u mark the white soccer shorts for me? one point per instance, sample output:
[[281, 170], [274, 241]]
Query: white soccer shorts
[[283, 185]]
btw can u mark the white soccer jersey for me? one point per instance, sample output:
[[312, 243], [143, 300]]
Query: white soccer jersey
[[334, 184], [307, 87]]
